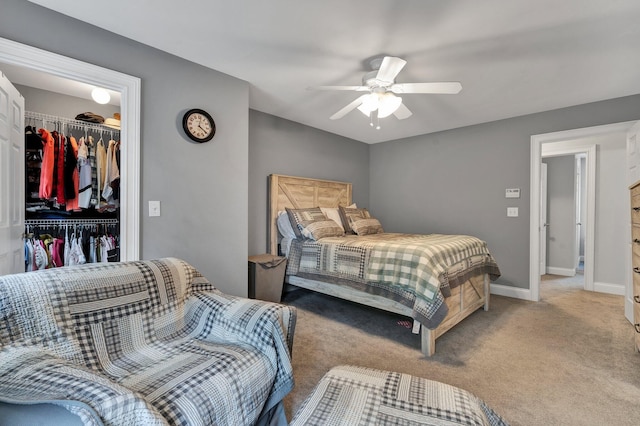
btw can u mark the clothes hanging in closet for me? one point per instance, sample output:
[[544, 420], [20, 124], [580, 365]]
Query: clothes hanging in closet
[[58, 167], [71, 177], [66, 166], [84, 174], [65, 245], [46, 171]]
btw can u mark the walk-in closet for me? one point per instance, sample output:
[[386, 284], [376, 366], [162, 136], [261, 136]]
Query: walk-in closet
[[72, 180]]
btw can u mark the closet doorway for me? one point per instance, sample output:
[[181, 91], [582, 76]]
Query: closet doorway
[[61, 67]]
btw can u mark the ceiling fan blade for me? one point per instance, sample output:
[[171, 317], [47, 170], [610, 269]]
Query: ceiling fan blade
[[390, 68], [344, 111], [356, 88], [447, 88], [402, 112]]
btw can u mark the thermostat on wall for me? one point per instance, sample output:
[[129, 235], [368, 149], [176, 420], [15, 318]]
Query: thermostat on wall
[[512, 193]]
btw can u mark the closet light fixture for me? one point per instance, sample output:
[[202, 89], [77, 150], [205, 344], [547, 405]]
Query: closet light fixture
[[100, 95]]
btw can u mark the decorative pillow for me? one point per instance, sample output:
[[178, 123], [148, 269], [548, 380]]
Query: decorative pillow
[[366, 226], [297, 216], [348, 215], [316, 229], [334, 214], [284, 226]]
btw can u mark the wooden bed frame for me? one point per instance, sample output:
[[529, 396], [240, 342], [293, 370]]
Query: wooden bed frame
[[298, 192]]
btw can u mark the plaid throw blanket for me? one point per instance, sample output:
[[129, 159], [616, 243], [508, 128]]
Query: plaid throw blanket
[[149, 342], [350, 396], [413, 269]]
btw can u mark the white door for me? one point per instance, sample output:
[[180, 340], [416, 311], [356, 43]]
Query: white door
[[543, 219], [633, 154], [11, 178]]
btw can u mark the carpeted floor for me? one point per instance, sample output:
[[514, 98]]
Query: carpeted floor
[[566, 360]]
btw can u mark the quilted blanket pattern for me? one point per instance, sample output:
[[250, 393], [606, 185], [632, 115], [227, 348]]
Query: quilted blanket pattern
[[413, 269], [357, 396], [148, 342], [420, 260]]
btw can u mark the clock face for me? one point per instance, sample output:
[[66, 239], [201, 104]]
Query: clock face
[[199, 125]]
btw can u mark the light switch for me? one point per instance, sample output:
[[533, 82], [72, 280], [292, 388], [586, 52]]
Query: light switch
[[512, 212], [154, 208]]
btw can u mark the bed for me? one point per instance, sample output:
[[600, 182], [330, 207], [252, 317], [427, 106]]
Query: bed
[[436, 291]]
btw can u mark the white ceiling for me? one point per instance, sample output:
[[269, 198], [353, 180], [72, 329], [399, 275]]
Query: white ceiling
[[513, 57]]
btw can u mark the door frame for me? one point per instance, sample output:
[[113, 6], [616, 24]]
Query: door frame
[[543, 215], [579, 196], [534, 181], [26, 56]]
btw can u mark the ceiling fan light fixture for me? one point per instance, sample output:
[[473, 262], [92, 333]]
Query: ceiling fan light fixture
[[369, 104], [388, 104]]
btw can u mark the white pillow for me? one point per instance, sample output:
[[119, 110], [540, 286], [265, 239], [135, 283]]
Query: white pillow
[[284, 225], [334, 214]]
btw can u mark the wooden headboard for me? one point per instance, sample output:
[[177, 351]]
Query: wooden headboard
[[298, 192]]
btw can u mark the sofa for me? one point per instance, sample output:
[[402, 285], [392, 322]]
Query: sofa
[[142, 343]]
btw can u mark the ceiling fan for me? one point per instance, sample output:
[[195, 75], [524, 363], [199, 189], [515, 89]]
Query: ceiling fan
[[382, 87]]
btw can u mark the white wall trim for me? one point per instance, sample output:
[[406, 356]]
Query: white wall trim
[[565, 272], [525, 294], [610, 288], [41, 60], [509, 291], [534, 181]]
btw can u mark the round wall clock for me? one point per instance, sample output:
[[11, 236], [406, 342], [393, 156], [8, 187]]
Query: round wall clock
[[198, 125]]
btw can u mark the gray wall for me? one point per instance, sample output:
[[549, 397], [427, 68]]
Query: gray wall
[[202, 188], [454, 181], [278, 146], [561, 213]]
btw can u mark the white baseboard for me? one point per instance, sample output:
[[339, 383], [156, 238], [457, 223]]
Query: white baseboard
[[609, 288], [509, 291], [565, 272], [525, 293]]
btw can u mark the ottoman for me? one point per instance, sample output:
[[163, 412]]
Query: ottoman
[[349, 395]]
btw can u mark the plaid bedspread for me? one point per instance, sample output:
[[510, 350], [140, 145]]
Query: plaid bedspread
[[356, 396], [413, 269], [144, 343]]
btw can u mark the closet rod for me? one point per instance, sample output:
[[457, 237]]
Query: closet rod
[[52, 119], [49, 222]]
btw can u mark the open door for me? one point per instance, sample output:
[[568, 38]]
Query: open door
[[543, 219], [11, 178]]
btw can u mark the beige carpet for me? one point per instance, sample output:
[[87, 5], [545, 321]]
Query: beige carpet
[[566, 360]]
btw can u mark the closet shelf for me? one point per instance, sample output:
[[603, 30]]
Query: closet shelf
[[48, 222], [70, 122]]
